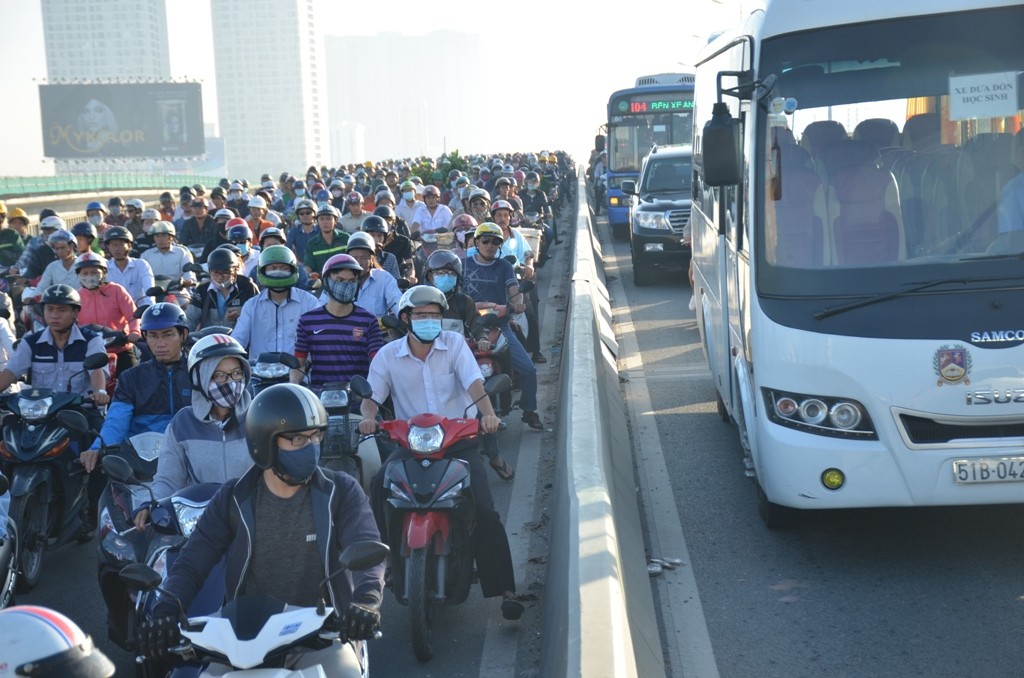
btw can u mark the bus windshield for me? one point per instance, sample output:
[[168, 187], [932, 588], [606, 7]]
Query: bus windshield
[[632, 138], [891, 154]]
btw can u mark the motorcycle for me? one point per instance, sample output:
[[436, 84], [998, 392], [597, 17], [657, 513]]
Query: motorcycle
[[430, 513], [8, 554], [428, 243], [491, 350], [253, 634], [342, 449], [115, 341], [270, 368], [49, 501]]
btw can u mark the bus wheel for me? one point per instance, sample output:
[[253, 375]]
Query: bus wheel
[[720, 404], [775, 516]]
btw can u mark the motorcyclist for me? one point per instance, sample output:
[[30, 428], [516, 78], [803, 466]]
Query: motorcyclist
[[218, 301], [205, 441], [60, 271], [85, 238], [134, 275], [431, 370], [38, 641], [240, 235], [491, 280], [516, 245], [378, 290], [107, 304], [116, 213], [37, 254], [281, 528], [397, 243], [329, 241], [167, 258], [380, 231], [536, 200], [431, 215]]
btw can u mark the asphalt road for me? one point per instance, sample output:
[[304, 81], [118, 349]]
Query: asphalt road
[[886, 592], [470, 639]]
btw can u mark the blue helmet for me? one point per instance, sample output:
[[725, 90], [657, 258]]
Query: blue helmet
[[95, 205], [322, 196], [162, 316]]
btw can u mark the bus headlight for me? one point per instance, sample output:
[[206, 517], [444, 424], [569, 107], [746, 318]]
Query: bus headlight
[[822, 415]]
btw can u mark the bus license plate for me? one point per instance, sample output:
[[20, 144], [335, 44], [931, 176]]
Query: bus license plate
[[1002, 470]]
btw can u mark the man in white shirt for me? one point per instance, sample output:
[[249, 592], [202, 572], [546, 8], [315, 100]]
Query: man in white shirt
[[168, 258], [135, 275], [431, 214]]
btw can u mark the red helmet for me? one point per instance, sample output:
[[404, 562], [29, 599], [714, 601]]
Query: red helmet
[[431, 190], [501, 205], [237, 221], [520, 176], [464, 222]]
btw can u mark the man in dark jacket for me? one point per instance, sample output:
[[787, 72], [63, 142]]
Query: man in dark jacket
[[197, 229], [281, 529]]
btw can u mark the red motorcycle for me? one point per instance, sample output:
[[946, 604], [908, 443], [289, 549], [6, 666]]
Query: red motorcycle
[[429, 513]]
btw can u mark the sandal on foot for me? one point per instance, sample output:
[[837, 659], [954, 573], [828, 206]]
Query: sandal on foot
[[504, 471], [511, 609]]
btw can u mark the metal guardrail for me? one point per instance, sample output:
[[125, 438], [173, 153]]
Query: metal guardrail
[[600, 618], [15, 187]]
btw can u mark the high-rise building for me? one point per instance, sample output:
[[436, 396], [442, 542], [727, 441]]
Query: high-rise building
[[269, 98], [409, 105]]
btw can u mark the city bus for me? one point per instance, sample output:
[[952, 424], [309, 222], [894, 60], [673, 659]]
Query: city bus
[[657, 111], [858, 250]]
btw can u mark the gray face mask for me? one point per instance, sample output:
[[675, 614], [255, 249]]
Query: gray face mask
[[342, 291], [89, 281]]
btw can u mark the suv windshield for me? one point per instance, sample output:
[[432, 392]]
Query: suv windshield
[[667, 175], [901, 161]]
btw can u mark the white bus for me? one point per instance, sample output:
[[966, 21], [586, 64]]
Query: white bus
[[858, 249]]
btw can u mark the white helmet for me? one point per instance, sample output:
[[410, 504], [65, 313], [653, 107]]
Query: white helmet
[[214, 346], [258, 202], [136, 203], [50, 643]]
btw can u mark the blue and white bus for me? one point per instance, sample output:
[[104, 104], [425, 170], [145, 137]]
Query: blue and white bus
[[657, 111], [858, 249]]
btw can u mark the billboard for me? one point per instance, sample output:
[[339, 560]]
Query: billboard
[[122, 120]]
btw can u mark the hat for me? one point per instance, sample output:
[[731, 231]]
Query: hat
[[224, 214]]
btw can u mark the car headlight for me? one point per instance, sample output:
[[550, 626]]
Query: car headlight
[[34, 408], [188, 514], [821, 415], [270, 370], [652, 220], [426, 439], [334, 398]]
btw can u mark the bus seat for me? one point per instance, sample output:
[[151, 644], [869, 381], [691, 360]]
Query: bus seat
[[799, 215], [922, 131], [983, 168], [879, 132], [821, 132], [940, 208]]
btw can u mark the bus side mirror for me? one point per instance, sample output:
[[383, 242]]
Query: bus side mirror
[[720, 148]]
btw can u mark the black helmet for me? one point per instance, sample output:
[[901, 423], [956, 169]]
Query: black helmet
[[117, 233], [84, 228], [281, 408], [375, 224], [385, 212], [444, 259], [64, 295], [221, 259], [115, 201]]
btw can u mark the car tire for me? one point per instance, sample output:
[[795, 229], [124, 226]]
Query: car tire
[[643, 274]]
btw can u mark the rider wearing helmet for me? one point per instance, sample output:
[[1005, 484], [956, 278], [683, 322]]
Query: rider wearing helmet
[[166, 258], [379, 230], [537, 201], [407, 204], [95, 213], [336, 341], [37, 641], [397, 371], [279, 528], [492, 281], [268, 320], [330, 240], [240, 235], [86, 239], [116, 215], [464, 227], [352, 214], [61, 270], [219, 300], [378, 290], [431, 215], [134, 208], [11, 244], [397, 242], [133, 274], [205, 441], [107, 304], [38, 254], [198, 228]]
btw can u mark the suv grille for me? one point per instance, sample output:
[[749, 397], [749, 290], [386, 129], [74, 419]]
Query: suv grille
[[679, 219]]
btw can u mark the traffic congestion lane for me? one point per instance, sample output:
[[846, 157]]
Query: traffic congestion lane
[[882, 592], [470, 639]]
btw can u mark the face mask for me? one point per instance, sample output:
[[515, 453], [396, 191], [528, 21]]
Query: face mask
[[115, 210], [444, 282], [234, 196], [336, 193], [531, 187], [227, 284], [146, 227], [242, 248], [426, 330], [408, 195], [90, 282], [342, 291], [453, 184], [96, 219], [300, 191], [296, 467], [461, 237], [227, 394], [277, 274]]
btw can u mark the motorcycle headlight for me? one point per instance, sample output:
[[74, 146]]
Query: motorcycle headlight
[[147, 445], [34, 408], [426, 439], [452, 492], [106, 523], [188, 514], [334, 399], [270, 370], [652, 220], [486, 369], [398, 493]]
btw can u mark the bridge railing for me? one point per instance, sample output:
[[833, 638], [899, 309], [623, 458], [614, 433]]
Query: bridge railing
[[15, 187]]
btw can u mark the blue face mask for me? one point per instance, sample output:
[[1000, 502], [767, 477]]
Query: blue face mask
[[299, 464], [426, 330], [243, 248], [444, 282]]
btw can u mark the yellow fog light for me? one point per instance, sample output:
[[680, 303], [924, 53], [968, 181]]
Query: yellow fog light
[[833, 478], [614, 201]]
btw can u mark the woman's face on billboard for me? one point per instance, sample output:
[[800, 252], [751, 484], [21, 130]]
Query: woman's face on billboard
[[95, 116]]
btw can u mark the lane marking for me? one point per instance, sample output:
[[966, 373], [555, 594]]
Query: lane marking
[[689, 651]]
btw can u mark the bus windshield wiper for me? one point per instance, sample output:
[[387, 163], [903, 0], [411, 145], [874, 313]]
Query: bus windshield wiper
[[836, 310], [993, 257]]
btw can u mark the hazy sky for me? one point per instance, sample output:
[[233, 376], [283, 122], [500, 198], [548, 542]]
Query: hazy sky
[[557, 62]]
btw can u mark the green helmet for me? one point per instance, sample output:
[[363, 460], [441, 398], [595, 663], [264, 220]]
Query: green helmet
[[277, 254]]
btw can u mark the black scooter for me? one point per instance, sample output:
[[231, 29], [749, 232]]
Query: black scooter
[[8, 555], [49, 498]]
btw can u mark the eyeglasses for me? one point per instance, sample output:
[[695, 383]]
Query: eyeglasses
[[305, 213], [488, 241], [303, 439], [222, 377]]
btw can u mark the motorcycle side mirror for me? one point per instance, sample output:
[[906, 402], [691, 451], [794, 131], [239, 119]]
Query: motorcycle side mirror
[[73, 420], [155, 291], [361, 388], [487, 321], [499, 383], [4, 485], [140, 577], [511, 258], [137, 314], [392, 322], [526, 286], [95, 361], [286, 359], [404, 284], [118, 469], [362, 555], [191, 267]]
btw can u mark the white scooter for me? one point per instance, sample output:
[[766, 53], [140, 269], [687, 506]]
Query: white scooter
[[253, 633]]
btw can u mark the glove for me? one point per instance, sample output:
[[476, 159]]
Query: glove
[[157, 635], [360, 621]]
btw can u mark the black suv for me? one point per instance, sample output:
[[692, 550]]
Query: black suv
[[659, 212]]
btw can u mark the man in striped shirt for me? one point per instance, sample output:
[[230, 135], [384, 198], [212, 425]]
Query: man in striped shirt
[[337, 341]]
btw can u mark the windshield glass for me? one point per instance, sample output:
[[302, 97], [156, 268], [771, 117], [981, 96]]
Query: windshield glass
[[631, 137], [900, 160], [667, 175]]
